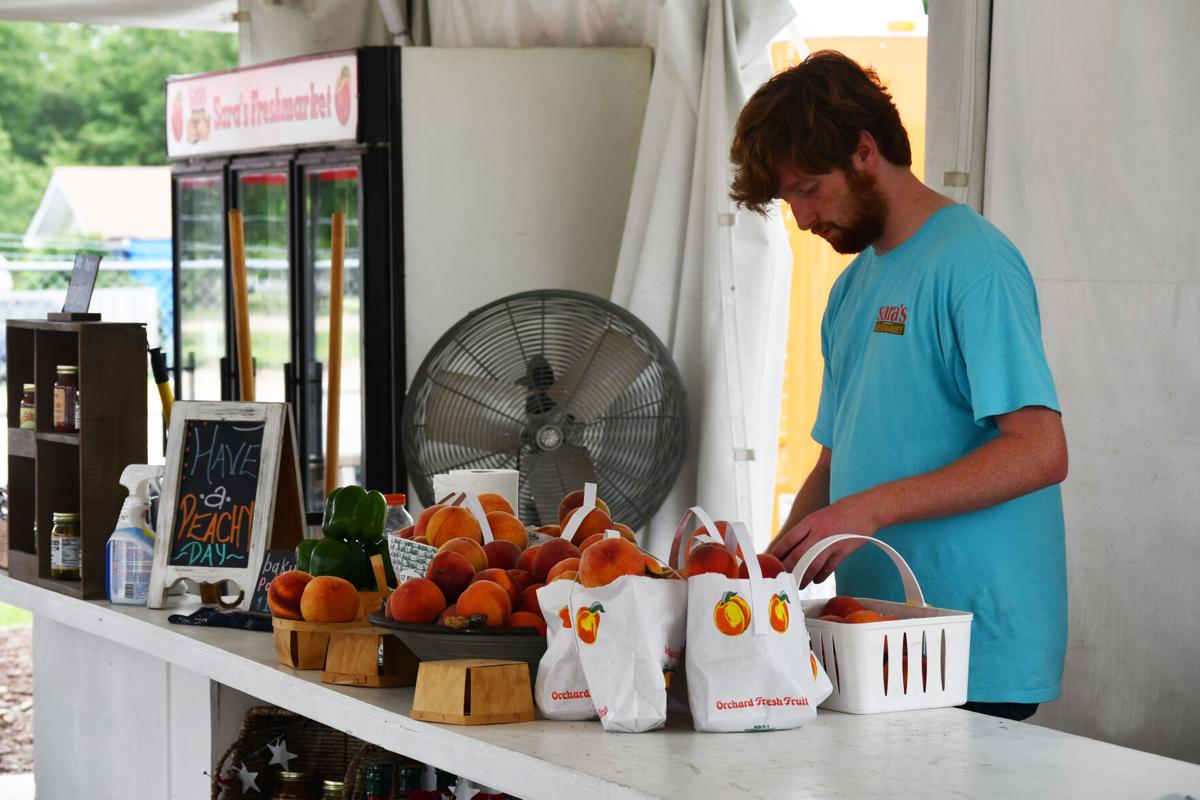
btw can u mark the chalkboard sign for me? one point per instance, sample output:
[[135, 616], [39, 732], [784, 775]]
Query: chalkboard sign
[[231, 492], [218, 482], [83, 279], [275, 562]]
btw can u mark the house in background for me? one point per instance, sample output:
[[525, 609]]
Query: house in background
[[127, 209]]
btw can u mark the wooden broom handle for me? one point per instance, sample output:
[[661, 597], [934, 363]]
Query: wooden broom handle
[[241, 310], [336, 268]]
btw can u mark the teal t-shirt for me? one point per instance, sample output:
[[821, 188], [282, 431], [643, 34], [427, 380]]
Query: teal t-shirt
[[923, 345]]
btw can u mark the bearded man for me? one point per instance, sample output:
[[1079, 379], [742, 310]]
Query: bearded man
[[939, 423]]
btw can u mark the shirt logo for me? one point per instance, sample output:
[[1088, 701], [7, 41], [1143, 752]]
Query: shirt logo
[[891, 319]]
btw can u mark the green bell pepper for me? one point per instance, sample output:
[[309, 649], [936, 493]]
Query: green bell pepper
[[332, 557], [304, 553], [354, 514]]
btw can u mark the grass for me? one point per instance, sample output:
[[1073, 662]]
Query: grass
[[11, 616]]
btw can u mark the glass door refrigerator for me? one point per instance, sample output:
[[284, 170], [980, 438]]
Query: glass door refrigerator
[[289, 144]]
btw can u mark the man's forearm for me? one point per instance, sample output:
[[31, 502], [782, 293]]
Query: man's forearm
[[813, 494], [1005, 468]]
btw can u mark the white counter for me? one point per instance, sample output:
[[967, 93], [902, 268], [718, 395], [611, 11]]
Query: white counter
[[939, 753]]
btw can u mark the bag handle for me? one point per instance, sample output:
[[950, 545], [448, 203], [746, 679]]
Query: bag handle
[[471, 500], [708, 527], [760, 595], [912, 589], [589, 505]]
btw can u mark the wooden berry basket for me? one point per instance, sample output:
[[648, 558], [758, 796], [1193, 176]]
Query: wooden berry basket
[[917, 661], [303, 645]]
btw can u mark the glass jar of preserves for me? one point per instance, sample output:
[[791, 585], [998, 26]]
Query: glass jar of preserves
[[379, 781], [66, 399], [28, 413], [332, 790], [408, 781], [296, 786], [64, 547]]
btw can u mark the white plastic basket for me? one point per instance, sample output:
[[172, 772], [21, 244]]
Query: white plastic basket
[[917, 661]]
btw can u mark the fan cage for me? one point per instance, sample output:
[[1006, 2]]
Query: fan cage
[[611, 390]]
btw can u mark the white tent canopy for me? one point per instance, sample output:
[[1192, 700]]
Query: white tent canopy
[[205, 15]]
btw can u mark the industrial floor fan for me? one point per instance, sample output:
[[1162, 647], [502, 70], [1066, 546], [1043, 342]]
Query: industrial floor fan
[[566, 388]]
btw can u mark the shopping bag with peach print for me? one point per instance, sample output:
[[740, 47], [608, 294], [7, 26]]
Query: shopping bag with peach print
[[560, 689], [749, 667], [629, 634]]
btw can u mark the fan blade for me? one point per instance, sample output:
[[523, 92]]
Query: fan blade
[[606, 369], [551, 474], [479, 413]]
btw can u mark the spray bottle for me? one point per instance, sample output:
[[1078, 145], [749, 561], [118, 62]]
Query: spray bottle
[[130, 550]]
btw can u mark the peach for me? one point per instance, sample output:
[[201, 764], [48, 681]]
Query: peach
[[420, 540], [841, 606], [502, 579], [526, 619], [452, 573], [550, 554], [831, 618], [489, 599], [284, 593], [626, 532], [589, 541], [502, 554], [329, 599], [494, 502], [864, 615], [769, 564], [657, 569], [566, 565], [525, 562], [424, 517], [574, 500], [722, 528], [471, 549], [711, 557], [608, 560], [406, 533], [521, 577], [452, 522], [550, 530], [508, 528], [597, 521], [566, 575], [449, 611], [528, 600], [416, 600]]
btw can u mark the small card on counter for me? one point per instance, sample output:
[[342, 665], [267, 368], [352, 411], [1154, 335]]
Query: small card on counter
[[409, 559]]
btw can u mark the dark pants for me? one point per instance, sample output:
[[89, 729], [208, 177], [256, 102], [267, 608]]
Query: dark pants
[[1013, 711]]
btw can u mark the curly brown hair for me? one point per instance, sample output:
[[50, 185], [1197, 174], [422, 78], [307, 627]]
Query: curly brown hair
[[810, 116]]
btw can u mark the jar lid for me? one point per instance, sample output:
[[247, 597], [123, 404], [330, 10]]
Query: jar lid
[[29, 387], [65, 516], [334, 784], [295, 776], [395, 499], [67, 369]]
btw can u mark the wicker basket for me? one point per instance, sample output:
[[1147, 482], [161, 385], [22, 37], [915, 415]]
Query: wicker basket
[[319, 749]]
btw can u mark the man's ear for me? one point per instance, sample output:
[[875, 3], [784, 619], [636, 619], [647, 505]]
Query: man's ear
[[866, 154]]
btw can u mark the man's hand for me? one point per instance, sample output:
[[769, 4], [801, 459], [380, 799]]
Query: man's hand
[[848, 515]]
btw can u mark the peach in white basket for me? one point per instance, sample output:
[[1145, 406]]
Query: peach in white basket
[[711, 557], [767, 563]]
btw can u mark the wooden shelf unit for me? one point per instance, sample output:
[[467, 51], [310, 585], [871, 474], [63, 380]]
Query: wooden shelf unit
[[51, 472]]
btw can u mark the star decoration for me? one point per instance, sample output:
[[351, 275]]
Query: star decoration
[[280, 754], [248, 778]]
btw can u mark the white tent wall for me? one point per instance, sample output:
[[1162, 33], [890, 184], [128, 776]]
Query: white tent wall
[[1092, 117]]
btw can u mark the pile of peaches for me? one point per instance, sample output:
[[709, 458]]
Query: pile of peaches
[[325, 598], [847, 609], [495, 584]]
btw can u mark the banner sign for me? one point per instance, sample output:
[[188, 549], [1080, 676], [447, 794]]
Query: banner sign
[[290, 103]]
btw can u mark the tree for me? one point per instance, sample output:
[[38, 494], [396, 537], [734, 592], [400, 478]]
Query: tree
[[78, 94]]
